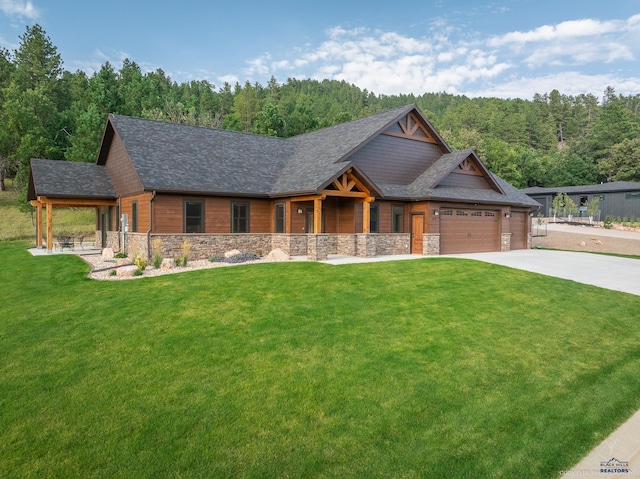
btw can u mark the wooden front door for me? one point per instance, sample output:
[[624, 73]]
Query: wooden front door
[[417, 228]]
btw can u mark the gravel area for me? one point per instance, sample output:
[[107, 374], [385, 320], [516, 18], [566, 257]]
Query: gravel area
[[589, 239], [102, 269]]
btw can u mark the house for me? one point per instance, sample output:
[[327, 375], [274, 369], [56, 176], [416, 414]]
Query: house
[[619, 199], [384, 184]]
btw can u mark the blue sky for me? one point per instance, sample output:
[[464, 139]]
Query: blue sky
[[503, 48]]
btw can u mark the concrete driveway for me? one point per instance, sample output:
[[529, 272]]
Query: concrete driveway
[[610, 272]]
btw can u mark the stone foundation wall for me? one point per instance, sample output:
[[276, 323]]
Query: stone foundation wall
[[318, 246], [366, 245], [393, 243], [207, 246], [295, 245], [431, 244], [315, 246], [136, 244], [505, 244], [345, 245]]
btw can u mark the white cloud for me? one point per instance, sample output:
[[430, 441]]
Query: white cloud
[[18, 8], [576, 56]]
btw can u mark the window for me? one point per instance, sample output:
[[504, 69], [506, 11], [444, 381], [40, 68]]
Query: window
[[584, 200], [239, 217], [118, 222], [134, 216], [280, 218], [373, 219], [397, 219], [193, 216], [632, 196]]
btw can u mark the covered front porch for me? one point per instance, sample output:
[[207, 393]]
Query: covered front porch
[[47, 203]]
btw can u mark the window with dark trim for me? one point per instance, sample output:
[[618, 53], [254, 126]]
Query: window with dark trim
[[239, 217], [397, 219], [134, 216], [373, 219], [117, 218], [280, 217], [193, 216]]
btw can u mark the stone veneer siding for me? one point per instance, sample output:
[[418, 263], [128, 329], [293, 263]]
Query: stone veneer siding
[[315, 246], [431, 244], [505, 244], [392, 243]]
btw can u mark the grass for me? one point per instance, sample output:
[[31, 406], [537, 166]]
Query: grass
[[16, 224], [426, 368]]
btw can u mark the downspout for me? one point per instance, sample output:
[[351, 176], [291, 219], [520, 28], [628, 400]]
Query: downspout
[[153, 196]]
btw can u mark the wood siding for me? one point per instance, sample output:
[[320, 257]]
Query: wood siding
[[143, 201], [460, 180], [392, 160], [168, 214], [124, 178]]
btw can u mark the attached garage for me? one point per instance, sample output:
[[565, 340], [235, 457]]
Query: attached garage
[[469, 231]]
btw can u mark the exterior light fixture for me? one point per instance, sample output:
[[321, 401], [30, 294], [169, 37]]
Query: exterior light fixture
[[299, 211], [436, 212]]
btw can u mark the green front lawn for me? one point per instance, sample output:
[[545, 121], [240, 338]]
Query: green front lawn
[[427, 368]]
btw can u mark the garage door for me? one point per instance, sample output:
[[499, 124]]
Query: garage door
[[519, 230], [468, 231]]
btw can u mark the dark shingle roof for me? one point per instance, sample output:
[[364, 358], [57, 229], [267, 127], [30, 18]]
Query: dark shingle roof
[[600, 188], [183, 158], [170, 157], [62, 179]]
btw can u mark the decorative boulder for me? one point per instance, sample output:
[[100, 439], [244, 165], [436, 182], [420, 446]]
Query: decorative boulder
[[231, 253], [582, 243], [107, 253], [126, 271], [168, 263], [277, 255]]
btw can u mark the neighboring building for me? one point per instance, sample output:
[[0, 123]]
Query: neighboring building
[[385, 184], [619, 199]]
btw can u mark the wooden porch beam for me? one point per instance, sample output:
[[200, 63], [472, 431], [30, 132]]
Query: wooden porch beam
[[345, 194], [299, 199], [80, 203]]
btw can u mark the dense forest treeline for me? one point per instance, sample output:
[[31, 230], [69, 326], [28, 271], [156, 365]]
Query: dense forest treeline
[[550, 140]]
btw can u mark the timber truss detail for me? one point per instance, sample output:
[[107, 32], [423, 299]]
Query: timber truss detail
[[412, 128]]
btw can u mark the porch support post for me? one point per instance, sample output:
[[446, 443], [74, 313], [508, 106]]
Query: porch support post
[[366, 214], [49, 227], [38, 207], [317, 215]]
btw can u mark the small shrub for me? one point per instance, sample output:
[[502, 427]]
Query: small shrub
[[186, 247], [140, 262], [137, 272], [112, 272], [179, 261], [608, 221], [157, 253], [121, 254], [217, 259]]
